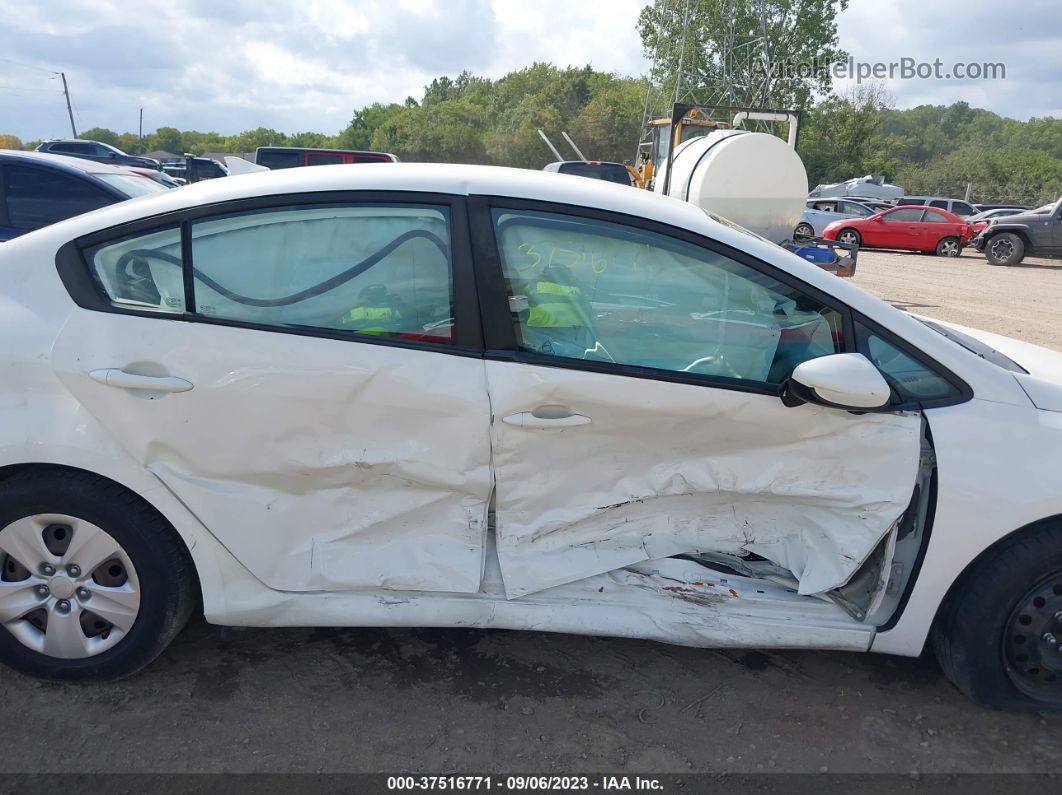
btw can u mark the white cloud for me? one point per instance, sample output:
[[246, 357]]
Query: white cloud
[[230, 65]]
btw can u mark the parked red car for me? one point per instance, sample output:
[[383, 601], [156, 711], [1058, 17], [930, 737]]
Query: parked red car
[[912, 228]]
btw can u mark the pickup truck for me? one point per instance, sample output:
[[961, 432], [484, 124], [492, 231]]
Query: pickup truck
[[1037, 233]]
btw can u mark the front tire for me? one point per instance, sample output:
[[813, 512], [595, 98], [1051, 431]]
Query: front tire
[[949, 247], [1006, 248], [94, 583], [999, 634], [850, 237]]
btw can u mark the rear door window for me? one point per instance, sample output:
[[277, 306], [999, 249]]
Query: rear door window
[[943, 205], [37, 197], [381, 270], [322, 159]]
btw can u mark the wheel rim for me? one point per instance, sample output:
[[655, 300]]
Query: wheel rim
[[67, 588], [1032, 645], [847, 237], [949, 248], [804, 231], [1002, 248]]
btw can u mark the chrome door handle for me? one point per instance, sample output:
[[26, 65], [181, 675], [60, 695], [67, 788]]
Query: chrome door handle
[[113, 376], [531, 419]]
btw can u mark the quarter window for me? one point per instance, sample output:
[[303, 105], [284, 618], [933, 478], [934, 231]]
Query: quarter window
[[142, 271], [594, 290], [910, 379], [379, 270]]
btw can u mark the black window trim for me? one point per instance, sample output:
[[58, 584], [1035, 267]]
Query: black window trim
[[75, 270], [500, 337]]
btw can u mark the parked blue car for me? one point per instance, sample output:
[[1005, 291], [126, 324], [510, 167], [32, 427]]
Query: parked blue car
[[38, 189]]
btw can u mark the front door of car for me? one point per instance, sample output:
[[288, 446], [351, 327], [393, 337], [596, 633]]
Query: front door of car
[[901, 228], [322, 407], [635, 381]]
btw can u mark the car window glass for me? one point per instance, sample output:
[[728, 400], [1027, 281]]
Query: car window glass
[[911, 201], [856, 209], [278, 158], [943, 205], [142, 271], [594, 290], [827, 207], [912, 380], [37, 197], [317, 159], [934, 217], [903, 214], [962, 208], [381, 270]]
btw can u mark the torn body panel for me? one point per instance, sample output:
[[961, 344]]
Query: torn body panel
[[664, 469], [320, 464], [671, 601]]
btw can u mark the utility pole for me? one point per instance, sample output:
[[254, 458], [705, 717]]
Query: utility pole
[[141, 124], [69, 110]]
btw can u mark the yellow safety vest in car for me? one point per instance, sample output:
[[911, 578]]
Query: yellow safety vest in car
[[553, 305], [373, 319]]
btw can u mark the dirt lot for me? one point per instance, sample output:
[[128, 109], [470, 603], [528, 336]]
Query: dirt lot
[[474, 702], [1023, 301]]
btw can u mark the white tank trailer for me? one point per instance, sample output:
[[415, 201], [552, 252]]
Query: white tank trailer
[[756, 180]]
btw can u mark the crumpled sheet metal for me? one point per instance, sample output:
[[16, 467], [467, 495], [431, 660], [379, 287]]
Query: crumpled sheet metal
[[319, 464], [665, 469]]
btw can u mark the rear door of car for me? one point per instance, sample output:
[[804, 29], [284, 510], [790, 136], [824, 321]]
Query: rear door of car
[[304, 372], [635, 373]]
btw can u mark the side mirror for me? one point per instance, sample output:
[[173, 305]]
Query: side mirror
[[841, 381]]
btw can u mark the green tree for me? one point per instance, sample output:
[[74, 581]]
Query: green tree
[[101, 134], [722, 53]]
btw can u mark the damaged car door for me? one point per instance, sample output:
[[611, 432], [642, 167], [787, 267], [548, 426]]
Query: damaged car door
[[304, 377], [636, 380]]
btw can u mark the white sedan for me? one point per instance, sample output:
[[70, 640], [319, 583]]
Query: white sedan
[[433, 395]]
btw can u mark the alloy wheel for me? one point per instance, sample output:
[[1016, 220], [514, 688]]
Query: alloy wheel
[[1002, 249]]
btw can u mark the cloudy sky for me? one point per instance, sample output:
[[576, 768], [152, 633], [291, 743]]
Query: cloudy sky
[[231, 65]]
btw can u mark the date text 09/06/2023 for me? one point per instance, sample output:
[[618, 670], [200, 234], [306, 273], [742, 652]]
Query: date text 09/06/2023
[[523, 783]]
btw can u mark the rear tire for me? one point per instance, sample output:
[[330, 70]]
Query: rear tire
[[803, 232], [849, 236], [949, 247], [999, 634], [1006, 248], [153, 597]]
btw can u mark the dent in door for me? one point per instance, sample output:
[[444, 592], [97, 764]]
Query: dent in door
[[665, 469], [320, 464]]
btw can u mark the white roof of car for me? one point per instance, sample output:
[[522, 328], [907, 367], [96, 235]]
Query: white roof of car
[[419, 177]]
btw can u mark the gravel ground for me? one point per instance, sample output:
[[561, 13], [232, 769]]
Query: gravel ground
[[475, 702], [1023, 301]]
